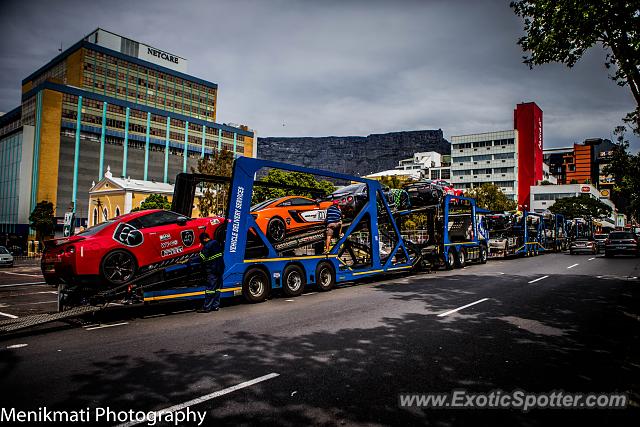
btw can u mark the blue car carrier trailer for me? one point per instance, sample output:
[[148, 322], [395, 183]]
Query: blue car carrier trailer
[[455, 235], [556, 236], [514, 234], [254, 266], [534, 234]]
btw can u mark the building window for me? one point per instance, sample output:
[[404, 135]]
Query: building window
[[117, 210], [482, 144], [95, 216], [105, 214]]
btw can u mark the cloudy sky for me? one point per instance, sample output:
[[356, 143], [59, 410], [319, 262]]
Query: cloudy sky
[[343, 67]]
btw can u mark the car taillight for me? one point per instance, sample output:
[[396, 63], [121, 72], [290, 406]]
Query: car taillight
[[350, 198], [344, 200]]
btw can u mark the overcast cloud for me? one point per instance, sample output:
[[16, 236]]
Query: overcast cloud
[[315, 68]]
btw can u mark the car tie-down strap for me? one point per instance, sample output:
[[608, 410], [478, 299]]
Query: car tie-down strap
[[211, 258]]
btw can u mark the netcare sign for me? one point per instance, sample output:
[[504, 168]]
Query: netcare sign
[[163, 58]]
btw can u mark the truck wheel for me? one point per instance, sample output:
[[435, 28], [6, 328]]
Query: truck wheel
[[118, 267], [483, 255], [450, 259], [276, 229], [293, 280], [255, 286], [325, 276], [461, 259]]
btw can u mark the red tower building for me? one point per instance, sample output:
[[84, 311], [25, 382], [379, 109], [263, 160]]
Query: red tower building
[[527, 121]]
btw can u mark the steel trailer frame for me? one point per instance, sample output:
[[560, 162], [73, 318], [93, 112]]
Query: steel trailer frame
[[456, 254], [532, 247], [239, 277]]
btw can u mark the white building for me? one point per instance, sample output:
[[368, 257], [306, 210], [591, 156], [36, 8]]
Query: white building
[[544, 196], [421, 161], [547, 176], [485, 157]]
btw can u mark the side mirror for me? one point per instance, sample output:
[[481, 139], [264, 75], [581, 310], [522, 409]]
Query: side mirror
[[182, 220]]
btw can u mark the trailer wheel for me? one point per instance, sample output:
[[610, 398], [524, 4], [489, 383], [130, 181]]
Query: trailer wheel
[[276, 229], [255, 286], [325, 276], [483, 254], [293, 280], [450, 259], [461, 259]]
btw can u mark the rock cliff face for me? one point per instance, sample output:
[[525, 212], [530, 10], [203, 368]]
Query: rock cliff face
[[354, 155]]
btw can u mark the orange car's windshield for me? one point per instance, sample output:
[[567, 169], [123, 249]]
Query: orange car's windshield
[[261, 205]]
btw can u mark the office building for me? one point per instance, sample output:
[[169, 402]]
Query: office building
[[107, 101]]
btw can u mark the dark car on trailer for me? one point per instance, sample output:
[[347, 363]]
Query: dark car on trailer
[[424, 193]]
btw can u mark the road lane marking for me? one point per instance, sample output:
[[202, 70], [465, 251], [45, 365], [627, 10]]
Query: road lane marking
[[111, 325], [591, 259], [574, 265], [538, 279], [197, 401], [154, 315], [17, 345], [10, 316], [446, 313], [22, 284], [21, 274]]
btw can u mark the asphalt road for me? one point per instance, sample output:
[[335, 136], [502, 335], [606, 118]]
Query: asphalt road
[[554, 322], [24, 292]]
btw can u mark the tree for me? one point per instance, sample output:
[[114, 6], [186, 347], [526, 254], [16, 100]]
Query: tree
[[489, 196], [391, 181], [580, 206], [214, 196], [278, 176], [625, 169], [42, 220], [154, 201], [562, 30]]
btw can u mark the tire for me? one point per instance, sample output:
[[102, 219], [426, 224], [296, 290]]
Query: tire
[[325, 276], [255, 285], [483, 254], [293, 280], [220, 234], [276, 229], [118, 267], [450, 260], [461, 258]]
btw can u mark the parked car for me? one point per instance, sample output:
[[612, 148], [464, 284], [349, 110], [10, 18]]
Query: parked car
[[424, 193], [116, 251], [283, 216], [583, 246], [600, 241], [6, 259], [622, 242]]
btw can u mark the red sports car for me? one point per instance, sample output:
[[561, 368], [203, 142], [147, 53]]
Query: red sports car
[[116, 251], [448, 187]]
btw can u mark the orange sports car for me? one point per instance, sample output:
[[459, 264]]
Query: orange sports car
[[281, 217]]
